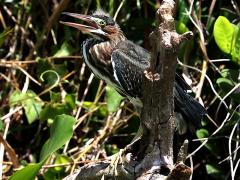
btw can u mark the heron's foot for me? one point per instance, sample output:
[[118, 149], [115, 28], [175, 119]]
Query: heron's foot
[[124, 158]]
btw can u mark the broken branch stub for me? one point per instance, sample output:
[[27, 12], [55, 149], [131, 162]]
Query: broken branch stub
[[157, 116]]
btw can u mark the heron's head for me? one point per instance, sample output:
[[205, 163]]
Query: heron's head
[[99, 24]]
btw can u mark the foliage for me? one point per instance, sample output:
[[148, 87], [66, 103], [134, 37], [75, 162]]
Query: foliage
[[44, 86], [227, 37], [60, 132]]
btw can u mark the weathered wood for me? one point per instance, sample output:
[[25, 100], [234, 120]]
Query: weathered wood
[[157, 117]]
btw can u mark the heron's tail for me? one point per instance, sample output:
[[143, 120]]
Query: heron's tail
[[189, 111]]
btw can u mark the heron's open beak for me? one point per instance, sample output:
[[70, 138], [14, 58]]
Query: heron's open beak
[[91, 28]]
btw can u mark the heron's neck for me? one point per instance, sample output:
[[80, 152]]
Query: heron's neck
[[116, 38], [104, 49]]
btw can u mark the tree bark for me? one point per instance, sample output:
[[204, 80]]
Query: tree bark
[[157, 117]]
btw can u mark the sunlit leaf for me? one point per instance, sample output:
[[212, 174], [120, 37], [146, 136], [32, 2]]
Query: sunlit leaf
[[225, 83], [27, 173], [31, 103], [88, 105], [181, 28], [236, 45], [227, 37], [223, 33], [230, 74], [51, 110], [102, 111], [65, 50], [16, 98], [113, 99], [214, 171], [70, 100], [202, 133], [32, 109], [60, 132], [60, 159]]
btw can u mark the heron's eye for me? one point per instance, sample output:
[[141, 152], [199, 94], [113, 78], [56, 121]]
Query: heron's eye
[[102, 23]]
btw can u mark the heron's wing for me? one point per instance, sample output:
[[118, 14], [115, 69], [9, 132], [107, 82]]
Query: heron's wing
[[181, 82], [129, 62], [99, 66]]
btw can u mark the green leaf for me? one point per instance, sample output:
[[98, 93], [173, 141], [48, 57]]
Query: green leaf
[[32, 109], [88, 105], [51, 77], [65, 50], [202, 133], [223, 32], [70, 100], [113, 99], [181, 9], [236, 45], [211, 169], [60, 132], [31, 103], [102, 111], [225, 84], [61, 69], [2, 126], [4, 35], [51, 110], [27, 173], [50, 175], [214, 171], [55, 96], [61, 159], [230, 74], [227, 37], [16, 98], [111, 149], [181, 28], [43, 64]]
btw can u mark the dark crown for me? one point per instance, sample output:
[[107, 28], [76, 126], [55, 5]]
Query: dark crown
[[104, 16]]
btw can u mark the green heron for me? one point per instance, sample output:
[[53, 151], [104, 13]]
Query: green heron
[[121, 63]]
